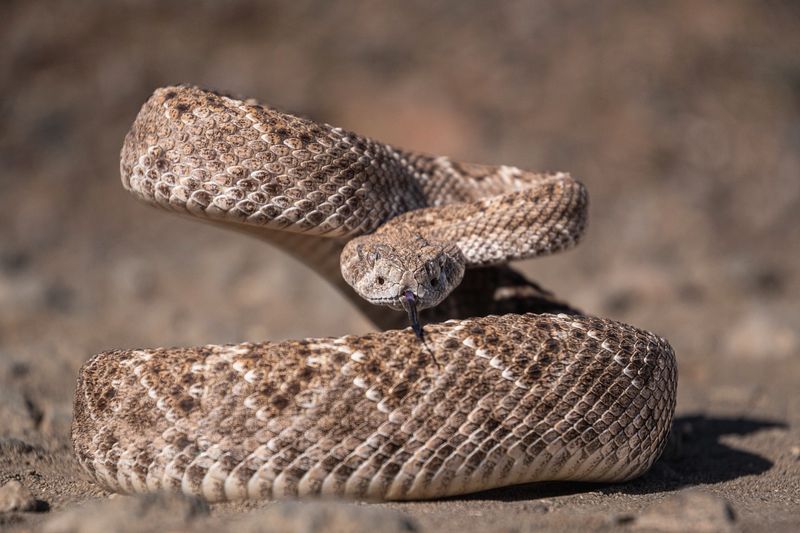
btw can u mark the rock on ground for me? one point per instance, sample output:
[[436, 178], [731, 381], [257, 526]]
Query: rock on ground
[[176, 513], [689, 510], [324, 517], [14, 496], [149, 512]]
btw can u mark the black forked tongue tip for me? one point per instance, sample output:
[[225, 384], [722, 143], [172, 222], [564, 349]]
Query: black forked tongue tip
[[410, 303]]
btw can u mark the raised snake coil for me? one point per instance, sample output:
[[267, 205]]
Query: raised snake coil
[[481, 403]]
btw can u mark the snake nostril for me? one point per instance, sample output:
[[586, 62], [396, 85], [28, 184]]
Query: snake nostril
[[380, 280]]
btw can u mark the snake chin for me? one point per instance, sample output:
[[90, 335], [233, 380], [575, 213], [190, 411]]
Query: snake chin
[[383, 273]]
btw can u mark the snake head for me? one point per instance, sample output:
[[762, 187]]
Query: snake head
[[384, 268]]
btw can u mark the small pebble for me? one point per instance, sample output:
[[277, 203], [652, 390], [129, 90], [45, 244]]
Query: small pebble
[[688, 510], [14, 496]]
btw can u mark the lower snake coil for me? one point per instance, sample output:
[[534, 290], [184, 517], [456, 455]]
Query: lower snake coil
[[496, 384]]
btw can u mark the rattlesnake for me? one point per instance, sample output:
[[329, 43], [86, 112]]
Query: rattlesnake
[[506, 386]]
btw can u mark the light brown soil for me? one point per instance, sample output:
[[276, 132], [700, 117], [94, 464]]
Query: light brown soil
[[682, 118]]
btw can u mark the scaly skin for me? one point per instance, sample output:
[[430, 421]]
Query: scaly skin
[[479, 403]]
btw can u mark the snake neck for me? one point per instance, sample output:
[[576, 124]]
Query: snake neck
[[322, 256]]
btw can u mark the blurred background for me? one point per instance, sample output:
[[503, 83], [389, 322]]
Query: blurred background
[[682, 118]]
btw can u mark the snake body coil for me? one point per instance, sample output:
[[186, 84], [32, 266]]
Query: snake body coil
[[509, 397]]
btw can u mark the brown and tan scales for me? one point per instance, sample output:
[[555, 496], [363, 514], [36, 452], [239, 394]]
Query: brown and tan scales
[[504, 394]]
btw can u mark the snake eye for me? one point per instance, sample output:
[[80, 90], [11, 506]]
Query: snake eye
[[434, 282], [380, 280]]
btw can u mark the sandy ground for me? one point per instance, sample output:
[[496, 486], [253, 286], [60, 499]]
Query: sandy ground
[[682, 118]]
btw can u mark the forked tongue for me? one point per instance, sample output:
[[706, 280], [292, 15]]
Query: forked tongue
[[410, 303]]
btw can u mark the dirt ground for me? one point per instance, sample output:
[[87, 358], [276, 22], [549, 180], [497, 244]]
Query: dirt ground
[[682, 118]]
